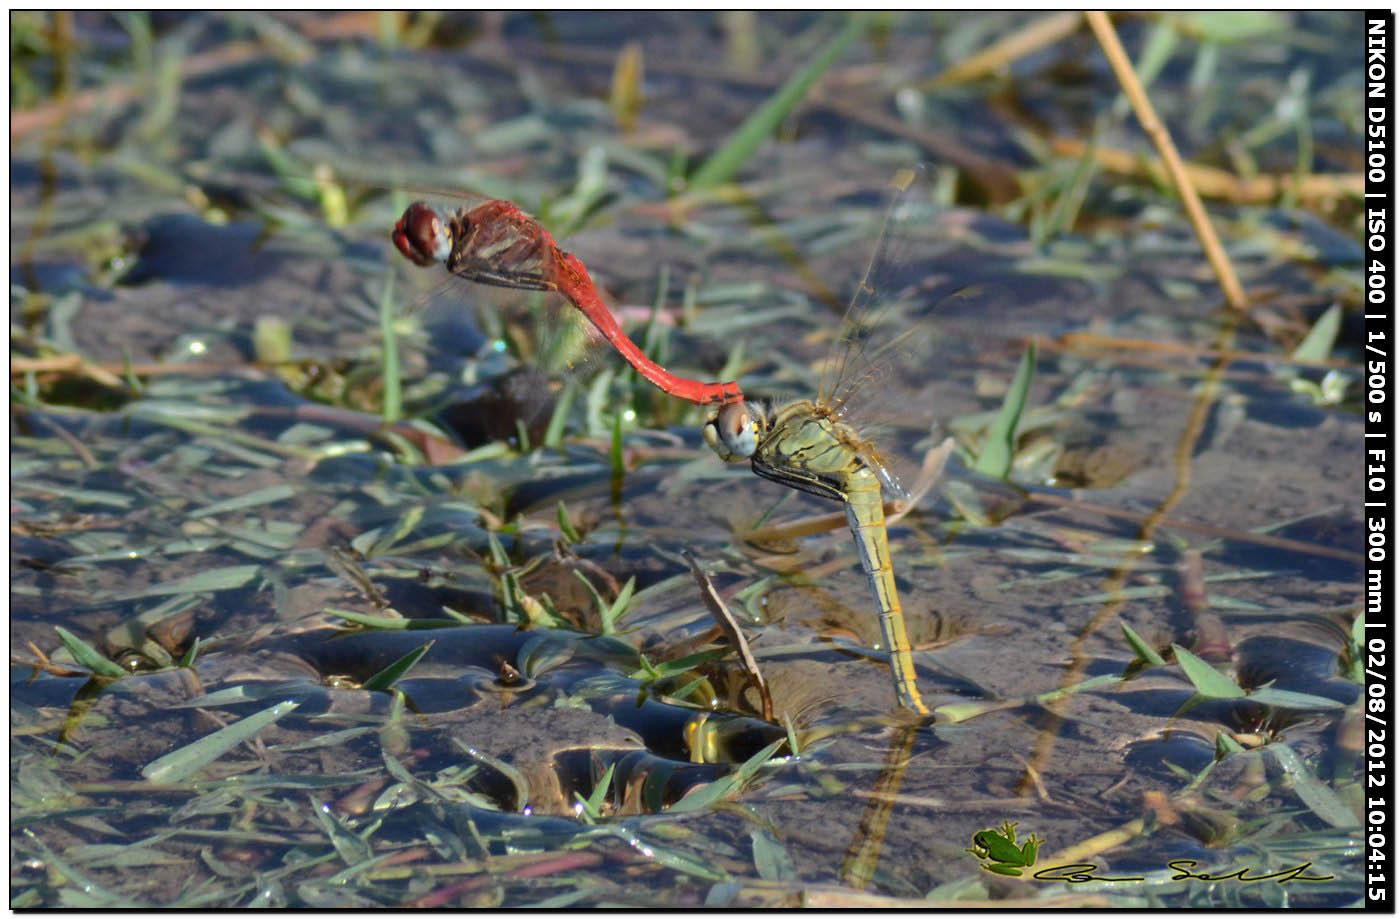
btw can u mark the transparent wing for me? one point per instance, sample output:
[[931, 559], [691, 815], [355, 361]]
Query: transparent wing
[[872, 332]]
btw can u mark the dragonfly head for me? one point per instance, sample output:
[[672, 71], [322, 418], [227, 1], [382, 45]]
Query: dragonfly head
[[421, 235], [734, 431]]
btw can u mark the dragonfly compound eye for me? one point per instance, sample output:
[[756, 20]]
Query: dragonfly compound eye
[[420, 236], [733, 432]]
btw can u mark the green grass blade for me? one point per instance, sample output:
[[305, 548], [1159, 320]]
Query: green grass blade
[[1208, 681], [612, 615], [391, 674], [189, 657], [704, 797], [213, 580], [593, 804], [186, 761], [728, 159], [566, 525], [86, 655], [770, 858], [389, 342], [1317, 344], [1141, 647], [351, 848], [392, 623], [1320, 799], [1224, 744], [554, 432], [615, 458], [256, 498], [999, 445], [1284, 698]]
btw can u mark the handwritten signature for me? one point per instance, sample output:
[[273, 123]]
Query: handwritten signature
[[1083, 872]]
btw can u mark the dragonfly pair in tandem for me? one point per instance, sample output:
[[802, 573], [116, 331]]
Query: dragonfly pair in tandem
[[807, 445]]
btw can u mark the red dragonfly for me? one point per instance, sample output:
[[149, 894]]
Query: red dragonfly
[[499, 244]]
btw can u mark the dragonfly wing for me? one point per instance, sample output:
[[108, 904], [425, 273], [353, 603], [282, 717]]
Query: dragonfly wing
[[860, 352]]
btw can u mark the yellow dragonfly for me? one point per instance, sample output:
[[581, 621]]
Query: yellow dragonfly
[[808, 445]]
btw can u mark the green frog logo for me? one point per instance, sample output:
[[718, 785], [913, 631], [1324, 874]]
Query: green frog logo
[[999, 853]]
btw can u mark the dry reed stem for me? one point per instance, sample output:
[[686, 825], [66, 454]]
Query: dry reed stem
[[1161, 139], [1219, 183]]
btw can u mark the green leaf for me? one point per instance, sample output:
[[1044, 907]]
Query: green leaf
[[86, 655], [509, 772], [389, 355], [1094, 682], [391, 674], [998, 446], [182, 763], [770, 857], [189, 657], [405, 525], [1208, 681], [1284, 698], [728, 159], [351, 848], [566, 526], [554, 432], [1234, 25], [1140, 647], [612, 615], [615, 457], [593, 804], [716, 791], [1320, 799], [498, 553], [1224, 744], [212, 580], [242, 502], [1317, 344], [392, 623]]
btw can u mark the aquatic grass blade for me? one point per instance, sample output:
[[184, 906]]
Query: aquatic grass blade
[[1141, 647], [554, 432], [393, 623], [1318, 343], [405, 525], [647, 672], [1320, 799], [613, 615], [88, 656], [1285, 698], [213, 580], [999, 444], [182, 763], [604, 611], [391, 674], [730, 157], [593, 804], [1225, 744], [392, 409], [770, 858], [243, 502], [1208, 681], [510, 773], [190, 656], [566, 526], [349, 846], [85, 893], [727, 786]]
